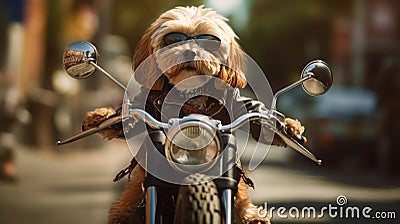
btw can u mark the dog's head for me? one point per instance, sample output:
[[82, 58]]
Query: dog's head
[[187, 42]]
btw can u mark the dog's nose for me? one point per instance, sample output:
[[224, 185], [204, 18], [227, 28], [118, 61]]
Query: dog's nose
[[189, 55]]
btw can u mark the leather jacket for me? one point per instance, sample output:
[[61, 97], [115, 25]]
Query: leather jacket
[[224, 104]]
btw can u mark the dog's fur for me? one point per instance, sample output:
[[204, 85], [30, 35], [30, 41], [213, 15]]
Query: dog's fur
[[192, 21], [226, 64]]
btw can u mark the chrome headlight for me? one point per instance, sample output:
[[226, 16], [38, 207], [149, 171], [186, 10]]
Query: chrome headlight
[[192, 141]]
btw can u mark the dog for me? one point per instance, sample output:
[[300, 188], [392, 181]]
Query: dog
[[195, 44]]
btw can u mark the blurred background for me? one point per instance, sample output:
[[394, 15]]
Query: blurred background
[[353, 128]]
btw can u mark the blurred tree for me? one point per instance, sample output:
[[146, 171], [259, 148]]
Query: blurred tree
[[80, 21], [132, 18], [283, 36], [3, 35]]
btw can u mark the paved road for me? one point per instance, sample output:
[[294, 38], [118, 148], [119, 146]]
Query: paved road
[[298, 188], [302, 186], [74, 186]]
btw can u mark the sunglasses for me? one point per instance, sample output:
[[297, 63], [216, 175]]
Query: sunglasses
[[206, 41]]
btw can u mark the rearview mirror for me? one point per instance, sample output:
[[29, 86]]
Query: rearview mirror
[[320, 80], [78, 59], [316, 79]]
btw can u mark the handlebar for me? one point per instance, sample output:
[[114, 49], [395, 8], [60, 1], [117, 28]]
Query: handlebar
[[147, 118], [236, 124], [272, 120], [275, 124]]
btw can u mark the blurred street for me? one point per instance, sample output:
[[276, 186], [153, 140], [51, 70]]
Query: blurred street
[[75, 186], [283, 184], [354, 128]]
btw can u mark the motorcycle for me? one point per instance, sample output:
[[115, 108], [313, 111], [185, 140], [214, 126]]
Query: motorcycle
[[205, 171]]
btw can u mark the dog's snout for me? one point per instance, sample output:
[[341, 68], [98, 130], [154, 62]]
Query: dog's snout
[[189, 55]]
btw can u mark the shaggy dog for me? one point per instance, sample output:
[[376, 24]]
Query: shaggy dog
[[182, 44]]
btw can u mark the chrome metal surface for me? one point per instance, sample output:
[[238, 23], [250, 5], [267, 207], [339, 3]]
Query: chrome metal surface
[[316, 79], [148, 119], [227, 196], [296, 146], [207, 137], [236, 124], [203, 122], [109, 75], [151, 205], [284, 90], [275, 123], [321, 78], [80, 61], [91, 131], [79, 58]]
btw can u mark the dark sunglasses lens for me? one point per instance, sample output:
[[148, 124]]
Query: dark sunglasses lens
[[173, 38], [208, 42]]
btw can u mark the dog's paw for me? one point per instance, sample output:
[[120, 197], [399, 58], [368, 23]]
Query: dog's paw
[[294, 127], [95, 118]]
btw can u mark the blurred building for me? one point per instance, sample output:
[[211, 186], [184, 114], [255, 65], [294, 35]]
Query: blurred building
[[366, 54]]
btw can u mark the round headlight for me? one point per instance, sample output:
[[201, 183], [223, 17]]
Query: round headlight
[[192, 143]]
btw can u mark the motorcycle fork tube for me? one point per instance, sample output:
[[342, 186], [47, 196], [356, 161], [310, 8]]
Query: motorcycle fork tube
[[157, 139], [227, 201], [229, 160], [151, 204]]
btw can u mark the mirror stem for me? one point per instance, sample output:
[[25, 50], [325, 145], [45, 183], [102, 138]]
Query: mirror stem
[[108, 75], [280, 92]]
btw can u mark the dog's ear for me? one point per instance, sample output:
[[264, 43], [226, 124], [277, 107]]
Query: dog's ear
[[148, 73], [232, 71]]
